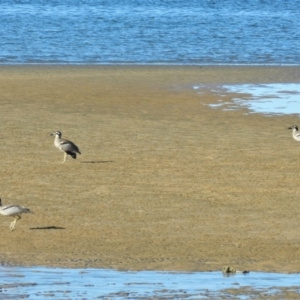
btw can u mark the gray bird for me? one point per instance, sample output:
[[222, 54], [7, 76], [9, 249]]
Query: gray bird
[[68, 147], [295, 133], [15, 211]]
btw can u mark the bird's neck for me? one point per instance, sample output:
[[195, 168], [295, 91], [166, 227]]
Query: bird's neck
[[56, 140], [295, 132]]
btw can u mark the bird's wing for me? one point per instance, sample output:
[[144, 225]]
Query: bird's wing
[[12, 209], [68, 146], [8, 206]]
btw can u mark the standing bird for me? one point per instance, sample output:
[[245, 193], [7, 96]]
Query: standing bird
[[68, 147], [15, 211], [296, 133]]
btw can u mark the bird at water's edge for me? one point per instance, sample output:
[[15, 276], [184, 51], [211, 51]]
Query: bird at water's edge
[[295, 133], [68, 147], [13, 210]]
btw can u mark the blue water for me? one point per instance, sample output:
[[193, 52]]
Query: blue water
[[51, 283], [150, 31]]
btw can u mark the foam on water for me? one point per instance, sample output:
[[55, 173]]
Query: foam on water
[[39, 282]]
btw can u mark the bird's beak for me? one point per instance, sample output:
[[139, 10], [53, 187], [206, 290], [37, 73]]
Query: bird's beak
[[290, 127], [51, 134]]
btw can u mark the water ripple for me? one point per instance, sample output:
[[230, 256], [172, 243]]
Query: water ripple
[[167, 32]]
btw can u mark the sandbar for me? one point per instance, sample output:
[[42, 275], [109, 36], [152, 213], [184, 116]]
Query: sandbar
[[164, 182]]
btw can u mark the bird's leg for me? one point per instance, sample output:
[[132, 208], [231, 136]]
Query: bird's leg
[[65, 157], [13, 223]]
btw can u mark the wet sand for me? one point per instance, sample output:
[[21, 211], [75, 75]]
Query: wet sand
[[163, 182]]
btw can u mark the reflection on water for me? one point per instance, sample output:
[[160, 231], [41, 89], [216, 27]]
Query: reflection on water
[[273, 99], [41, 283]]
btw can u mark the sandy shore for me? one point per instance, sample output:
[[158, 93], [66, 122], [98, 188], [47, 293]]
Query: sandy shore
[[163, 182]]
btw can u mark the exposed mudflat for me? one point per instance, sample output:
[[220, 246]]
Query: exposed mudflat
[[164, 182]]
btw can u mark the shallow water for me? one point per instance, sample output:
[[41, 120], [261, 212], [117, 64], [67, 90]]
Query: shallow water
[[268, 99], [41, 283]]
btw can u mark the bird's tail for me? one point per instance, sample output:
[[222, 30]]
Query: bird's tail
[[73, 155]]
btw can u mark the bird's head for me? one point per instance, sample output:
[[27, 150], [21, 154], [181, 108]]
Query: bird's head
[[294, 127], [56, 133]]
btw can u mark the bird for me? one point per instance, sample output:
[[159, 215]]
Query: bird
[[296, 133], [67, 146], [15, 211]]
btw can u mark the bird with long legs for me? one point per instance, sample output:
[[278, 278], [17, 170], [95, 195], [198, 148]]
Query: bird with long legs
[[68, 147], [15, 211]]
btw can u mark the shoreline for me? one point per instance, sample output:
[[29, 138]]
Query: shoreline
[[163, 183]]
